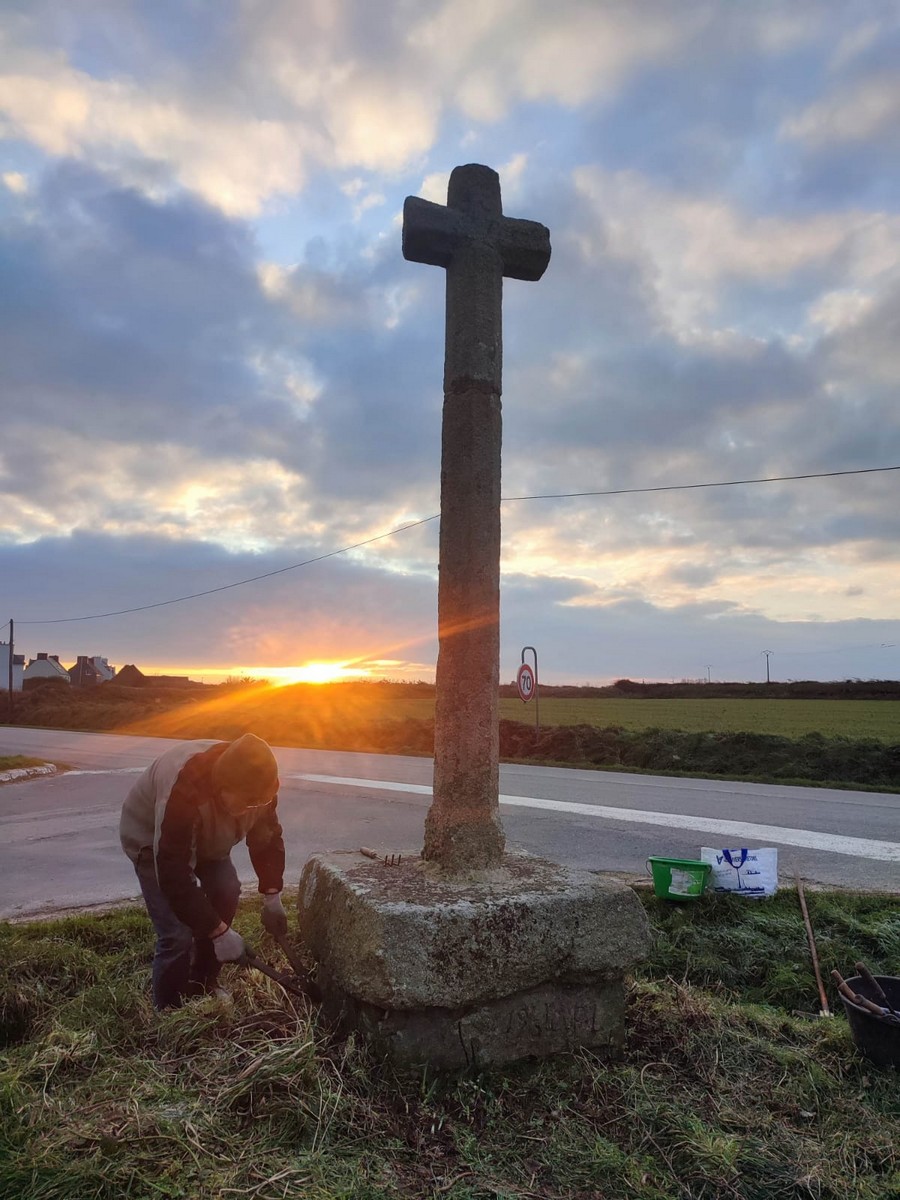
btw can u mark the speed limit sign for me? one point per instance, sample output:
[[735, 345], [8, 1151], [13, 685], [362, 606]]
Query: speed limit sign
[[525, 681]]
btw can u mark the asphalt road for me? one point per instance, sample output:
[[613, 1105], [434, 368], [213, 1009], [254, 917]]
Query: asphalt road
[[59, 844]]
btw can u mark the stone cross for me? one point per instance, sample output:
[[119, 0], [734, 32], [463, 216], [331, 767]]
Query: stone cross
[[477, 245]]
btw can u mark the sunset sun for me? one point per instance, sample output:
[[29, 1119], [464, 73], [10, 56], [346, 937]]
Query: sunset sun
[[315, 672]]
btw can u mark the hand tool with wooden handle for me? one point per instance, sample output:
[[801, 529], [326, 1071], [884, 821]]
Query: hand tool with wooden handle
[[864, 973], [854, 997]]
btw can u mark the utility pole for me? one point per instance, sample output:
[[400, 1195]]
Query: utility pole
[[10, 672], [767, 653], [708, 677]]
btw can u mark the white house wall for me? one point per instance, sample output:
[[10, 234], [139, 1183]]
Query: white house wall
[[18, 670]]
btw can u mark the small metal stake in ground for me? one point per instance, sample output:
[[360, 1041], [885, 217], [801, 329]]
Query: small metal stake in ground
[[527, 683]]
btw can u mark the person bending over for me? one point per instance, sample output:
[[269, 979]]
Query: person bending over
[[179, 825]]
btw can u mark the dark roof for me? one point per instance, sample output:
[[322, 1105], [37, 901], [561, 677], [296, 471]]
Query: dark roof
[[84, 673], [130, 676]]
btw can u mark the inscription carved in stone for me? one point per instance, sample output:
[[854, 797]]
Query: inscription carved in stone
[[575, 1018]]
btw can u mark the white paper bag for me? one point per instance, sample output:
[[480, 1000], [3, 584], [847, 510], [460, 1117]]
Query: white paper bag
[[747, 872]]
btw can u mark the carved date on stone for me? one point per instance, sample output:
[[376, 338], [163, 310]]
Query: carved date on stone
[[574, 1018]]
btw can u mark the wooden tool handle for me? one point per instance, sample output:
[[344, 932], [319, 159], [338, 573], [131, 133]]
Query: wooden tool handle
[[810, 937], [863, 971], [870, 1005], [842, 987], [854, 997]]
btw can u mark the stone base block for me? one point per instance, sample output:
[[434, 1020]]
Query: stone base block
[[546, 1020], [452, 971]]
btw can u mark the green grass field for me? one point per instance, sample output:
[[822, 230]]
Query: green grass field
[[878, 719], [277, 712], [856, 719]]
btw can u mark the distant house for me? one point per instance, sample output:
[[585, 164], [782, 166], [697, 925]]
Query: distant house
[[130, 676], [18, 668], [44, 667], [88, 671], [170, 681]]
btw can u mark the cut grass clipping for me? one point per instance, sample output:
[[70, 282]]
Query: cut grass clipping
[[731, 1086]]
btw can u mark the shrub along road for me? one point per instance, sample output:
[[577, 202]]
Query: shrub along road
[[61, 841]]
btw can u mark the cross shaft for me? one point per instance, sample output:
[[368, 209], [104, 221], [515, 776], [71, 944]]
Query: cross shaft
[[477, 245]]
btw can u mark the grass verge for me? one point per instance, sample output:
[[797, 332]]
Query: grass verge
[[725, 1091], [15, 762]]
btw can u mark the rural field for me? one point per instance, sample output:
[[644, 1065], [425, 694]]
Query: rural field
[[826, 742], [788, 718], [857, 719], [878, 719], [330, 707]]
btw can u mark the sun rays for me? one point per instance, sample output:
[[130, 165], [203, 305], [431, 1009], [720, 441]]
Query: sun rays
[[315, 672]]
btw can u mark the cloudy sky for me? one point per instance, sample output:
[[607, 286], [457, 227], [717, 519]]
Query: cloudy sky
[[215, 362]]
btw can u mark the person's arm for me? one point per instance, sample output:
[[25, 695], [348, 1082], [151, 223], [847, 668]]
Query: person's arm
[[174, 850], [265, 843]]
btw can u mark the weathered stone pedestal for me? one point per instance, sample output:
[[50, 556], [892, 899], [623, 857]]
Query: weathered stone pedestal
[[452, 971]]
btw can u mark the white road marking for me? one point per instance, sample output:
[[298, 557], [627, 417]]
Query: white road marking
[[736, 833], [109, 771]]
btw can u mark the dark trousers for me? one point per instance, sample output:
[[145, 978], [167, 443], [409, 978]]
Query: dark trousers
[[184, 965]]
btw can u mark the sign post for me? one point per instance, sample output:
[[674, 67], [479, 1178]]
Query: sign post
[[527, 683]]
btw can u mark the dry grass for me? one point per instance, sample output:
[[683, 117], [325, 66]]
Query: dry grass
[[720, 1096]]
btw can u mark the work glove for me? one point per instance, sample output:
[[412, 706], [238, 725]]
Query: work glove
[[274, 918], [229, 946]]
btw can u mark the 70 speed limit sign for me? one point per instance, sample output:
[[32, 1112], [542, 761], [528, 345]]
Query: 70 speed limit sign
[[525, 681]]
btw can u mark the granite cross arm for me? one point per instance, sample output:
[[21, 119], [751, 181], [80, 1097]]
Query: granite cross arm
[[433, 233], [478, 246]]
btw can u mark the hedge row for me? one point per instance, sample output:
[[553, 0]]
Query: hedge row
[[764, 756]]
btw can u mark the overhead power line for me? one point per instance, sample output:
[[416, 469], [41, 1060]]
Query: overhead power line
[[684, 487], [673, 487], [240, 582]]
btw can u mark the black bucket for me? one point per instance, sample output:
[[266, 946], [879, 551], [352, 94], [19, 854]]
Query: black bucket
[[878, 1040]]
